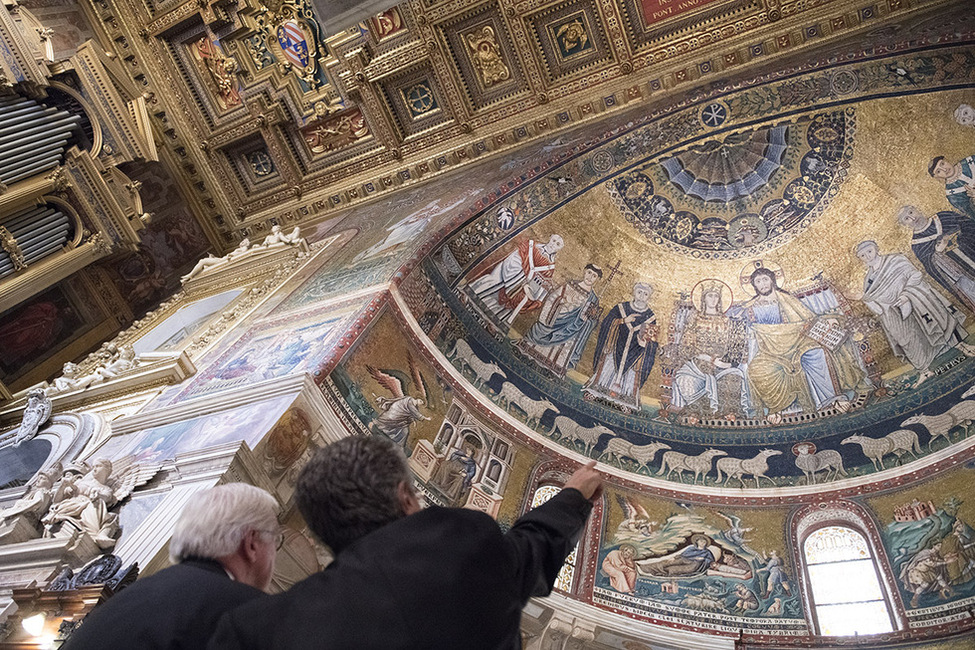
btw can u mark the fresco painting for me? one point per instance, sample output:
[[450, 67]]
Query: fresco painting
[[930, 541], [276, 347], [38, 327], [247, 423], [172, 241]]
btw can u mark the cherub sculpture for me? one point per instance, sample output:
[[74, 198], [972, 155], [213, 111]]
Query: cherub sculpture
[[125, 360], [83, 504], [37, 498], [69, 380], [399, 412]]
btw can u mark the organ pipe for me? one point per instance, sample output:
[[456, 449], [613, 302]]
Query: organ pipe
[[39, 231], [33, 137]]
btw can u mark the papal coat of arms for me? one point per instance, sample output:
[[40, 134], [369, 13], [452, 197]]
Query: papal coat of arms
[[294, 43]]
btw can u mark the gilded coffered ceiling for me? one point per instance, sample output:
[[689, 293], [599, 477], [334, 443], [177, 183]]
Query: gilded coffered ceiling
[[270, 120]]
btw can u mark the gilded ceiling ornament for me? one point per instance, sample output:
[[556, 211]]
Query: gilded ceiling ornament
[[386, 23], [324, 135], [485, 55], [219, 72], [295, 40], [572, 36], [261, 163]]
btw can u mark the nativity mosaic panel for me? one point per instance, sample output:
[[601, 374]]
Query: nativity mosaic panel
[[767, 301], [710, 567]]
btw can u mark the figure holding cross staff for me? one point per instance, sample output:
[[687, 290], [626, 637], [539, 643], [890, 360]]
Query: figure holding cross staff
[[567, 319]]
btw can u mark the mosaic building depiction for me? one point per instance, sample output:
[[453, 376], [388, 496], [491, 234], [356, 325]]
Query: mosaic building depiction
[[724, 249]]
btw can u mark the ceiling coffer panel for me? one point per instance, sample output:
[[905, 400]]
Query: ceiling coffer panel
[[481, 47]]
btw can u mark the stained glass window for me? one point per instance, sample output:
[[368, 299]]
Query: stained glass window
[[564, 581], [845, 587]]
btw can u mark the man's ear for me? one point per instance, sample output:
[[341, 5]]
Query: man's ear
[[406, 496], [250, 545]]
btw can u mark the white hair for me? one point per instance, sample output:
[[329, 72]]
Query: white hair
[[961, 110], [866, 244], [906, 210], [214, 521]]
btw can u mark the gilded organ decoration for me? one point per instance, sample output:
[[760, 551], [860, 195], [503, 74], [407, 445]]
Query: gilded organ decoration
[[12, 249], [330, 133], [485, 55], [218, 71]]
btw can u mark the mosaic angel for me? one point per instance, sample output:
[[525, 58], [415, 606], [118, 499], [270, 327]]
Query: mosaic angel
[[402, 409]]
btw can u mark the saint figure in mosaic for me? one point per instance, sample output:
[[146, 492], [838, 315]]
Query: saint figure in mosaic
[[625, 351], [710, 351], [565, 323]]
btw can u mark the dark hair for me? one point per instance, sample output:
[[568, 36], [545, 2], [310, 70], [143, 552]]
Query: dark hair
[[934, 163], [766, 272], [598, 271], [349, 488]]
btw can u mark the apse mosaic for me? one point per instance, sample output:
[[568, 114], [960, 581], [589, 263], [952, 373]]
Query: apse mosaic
[[930, 541], [778, 296], [743, 193], [458, 457]]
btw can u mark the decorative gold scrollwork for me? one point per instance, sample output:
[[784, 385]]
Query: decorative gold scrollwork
[[12, 248]]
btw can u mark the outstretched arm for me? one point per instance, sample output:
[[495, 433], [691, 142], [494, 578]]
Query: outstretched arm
[[539, 542]]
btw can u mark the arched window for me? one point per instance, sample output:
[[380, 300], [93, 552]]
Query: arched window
[[564, 582], [847, 596]]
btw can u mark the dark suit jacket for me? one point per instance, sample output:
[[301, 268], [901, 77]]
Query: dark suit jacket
[[176, 608], [441, 578]]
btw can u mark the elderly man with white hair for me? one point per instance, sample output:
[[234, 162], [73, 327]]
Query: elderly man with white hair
[[223, 549], [919, 322], [519, 283]]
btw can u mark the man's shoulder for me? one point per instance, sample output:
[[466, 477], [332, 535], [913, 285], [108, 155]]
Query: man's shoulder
[[459, 516]]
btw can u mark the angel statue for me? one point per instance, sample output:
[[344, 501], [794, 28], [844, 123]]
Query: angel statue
[[36, 413], [82, 504], [37, 498], [637, 522], [402, 410]]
